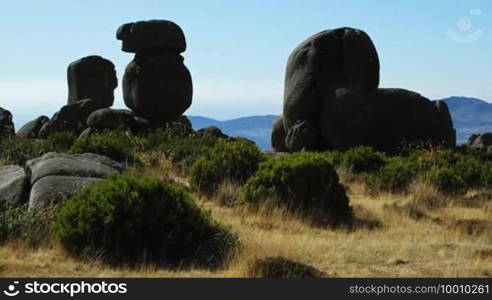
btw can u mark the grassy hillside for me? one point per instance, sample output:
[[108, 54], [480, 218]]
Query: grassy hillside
[[424, 228]]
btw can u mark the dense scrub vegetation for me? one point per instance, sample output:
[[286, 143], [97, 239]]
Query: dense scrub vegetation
[[133, 218]]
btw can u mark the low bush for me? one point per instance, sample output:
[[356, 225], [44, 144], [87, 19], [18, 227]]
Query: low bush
[[304, 181], [17, 151], [395, 177], [134, 219], [183, 152], [34, 227], [363, 159], [118, 145], [445, 180], [61, 141], [234, 161]]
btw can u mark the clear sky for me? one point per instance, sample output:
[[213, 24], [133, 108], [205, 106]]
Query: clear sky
[[237, 50]]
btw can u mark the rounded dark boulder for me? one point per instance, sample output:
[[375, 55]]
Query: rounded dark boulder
[[31, 129], [331, 59], [384, 119], [116, 119], [278, 135], [157, 87], [92, 77], [152, 36], [302, 136]]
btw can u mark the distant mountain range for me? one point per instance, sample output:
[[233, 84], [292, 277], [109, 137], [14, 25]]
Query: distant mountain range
[[470, 115]]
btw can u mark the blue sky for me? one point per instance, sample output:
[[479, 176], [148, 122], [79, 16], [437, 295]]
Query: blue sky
[[237, 50]]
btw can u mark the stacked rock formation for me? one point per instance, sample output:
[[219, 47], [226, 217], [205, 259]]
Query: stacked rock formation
[[332, 100], [91, 84], [157, 85]]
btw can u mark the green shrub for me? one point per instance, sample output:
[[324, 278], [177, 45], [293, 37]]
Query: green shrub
[[183, 152], [335, 157], [363, 159], [134, 218], [118, 145], [164, 136], [302, 181], [19, 150], [233, 161], [279, 267], [34, 227], [446, 180], [395, 177], [61, 141]]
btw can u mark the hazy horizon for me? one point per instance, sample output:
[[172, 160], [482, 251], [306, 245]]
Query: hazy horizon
[[237, 51]]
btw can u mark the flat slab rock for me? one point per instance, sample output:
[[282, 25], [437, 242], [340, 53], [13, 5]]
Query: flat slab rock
[[52, 190], [13, 184], [76, 165]]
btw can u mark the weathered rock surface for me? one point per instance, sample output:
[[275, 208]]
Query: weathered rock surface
[[383, 119], [157, 87], [71, 117], [151, 36], [6, 125], [118, 119], [51, 190], [278, 135], [13, 184], [212, 131], [76, 165], [92, 77], [31, 129], [340, 58]]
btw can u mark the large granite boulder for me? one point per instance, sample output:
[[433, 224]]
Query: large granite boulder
[[51, 190], [31, 129], [157, 85], [151, 36], [71, 117], [92, 77], [79, 165], [6, 124], [116, 119], [332, 100], [13, 185], [384, 119], [340, 58], [55, 177]]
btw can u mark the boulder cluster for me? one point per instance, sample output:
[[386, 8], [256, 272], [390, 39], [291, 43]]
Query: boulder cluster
[[52, 178], [157, 87], [332, 101]]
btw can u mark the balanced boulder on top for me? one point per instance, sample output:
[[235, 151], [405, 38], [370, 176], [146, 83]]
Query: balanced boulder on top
[[156, 85]]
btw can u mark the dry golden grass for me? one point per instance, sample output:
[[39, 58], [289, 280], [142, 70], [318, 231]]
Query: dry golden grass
[[440, 245]]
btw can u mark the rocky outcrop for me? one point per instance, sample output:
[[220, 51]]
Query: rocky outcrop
[[31, 129], [71, 117], [332, 100], [212, 131], [13, 184], [157, 85], [6, 124], [92, 77], [55, 177], [481, 141]]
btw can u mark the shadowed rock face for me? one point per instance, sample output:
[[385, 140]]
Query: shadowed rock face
[[157, 85], [278, 135], [92, 77], [383, 119], [332, 100], [152, 36], [31, 129], [481, 141], [6, 124], [340, 58]]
